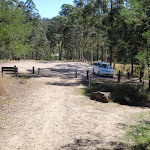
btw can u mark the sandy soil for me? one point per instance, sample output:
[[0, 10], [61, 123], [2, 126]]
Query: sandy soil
[[47, 113]]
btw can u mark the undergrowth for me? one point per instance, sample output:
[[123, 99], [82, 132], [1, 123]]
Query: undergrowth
[[138, 134], [122, 93]]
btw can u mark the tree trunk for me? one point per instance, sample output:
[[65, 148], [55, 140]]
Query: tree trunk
[[10, 54], [76, 54], [82, 55], [24, 56], [111, 5], [60, 52], [36, 56], [105, 54], [143, 65], [132, 65], [92, 56], [110, 50], [97, 50], [102, 49], [114, 57], [3, 58], [102, 54], [67, 54]]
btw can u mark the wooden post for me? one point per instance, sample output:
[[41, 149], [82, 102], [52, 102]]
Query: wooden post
[[128, 75], [2, 73], [140, 76], [87, 74], [89, 81], [119, 76], [17, 73], [38, 70], [76, 75], [33, 70], [149, 81]]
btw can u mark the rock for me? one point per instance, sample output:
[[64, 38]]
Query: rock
[[104, 97]]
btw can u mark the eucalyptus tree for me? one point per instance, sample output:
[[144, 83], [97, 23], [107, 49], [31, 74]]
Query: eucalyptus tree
[[54, 34], [137, 17], [101, 9], [13, 31], [68, 12], [37, 39]]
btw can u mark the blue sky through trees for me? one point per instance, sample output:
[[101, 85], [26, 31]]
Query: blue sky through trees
[[50, 8]]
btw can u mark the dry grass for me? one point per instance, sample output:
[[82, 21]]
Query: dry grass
[[4, 95], [126, 68], [2, 87]]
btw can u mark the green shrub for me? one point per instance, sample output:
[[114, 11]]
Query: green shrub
[[122, 93]]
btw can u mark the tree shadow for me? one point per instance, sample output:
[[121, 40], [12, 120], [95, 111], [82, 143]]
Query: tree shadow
[[63, 83], [92, 144], [28, 76], [55, 72], [46, 62], [81, 143]]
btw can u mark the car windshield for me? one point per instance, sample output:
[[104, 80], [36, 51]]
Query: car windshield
[[105, 66]]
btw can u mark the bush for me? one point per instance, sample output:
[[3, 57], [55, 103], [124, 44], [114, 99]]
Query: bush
[[122, 93]]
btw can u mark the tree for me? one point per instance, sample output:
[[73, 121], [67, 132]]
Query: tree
[[13, 31], [137, 17]]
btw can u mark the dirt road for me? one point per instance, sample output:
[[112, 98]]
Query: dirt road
[[47, 113]]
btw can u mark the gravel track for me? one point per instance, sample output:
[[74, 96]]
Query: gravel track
[[47, 113]]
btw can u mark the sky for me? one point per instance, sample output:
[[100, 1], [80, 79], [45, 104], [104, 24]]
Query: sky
[[50, 8]]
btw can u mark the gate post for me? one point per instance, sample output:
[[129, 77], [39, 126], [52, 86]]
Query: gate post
[[119, 76], [38, 70], [76, 75], [33, 70]]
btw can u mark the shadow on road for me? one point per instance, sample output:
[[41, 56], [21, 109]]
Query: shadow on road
[[92, 144]]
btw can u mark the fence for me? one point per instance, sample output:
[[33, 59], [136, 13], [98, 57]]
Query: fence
[[121, 77]]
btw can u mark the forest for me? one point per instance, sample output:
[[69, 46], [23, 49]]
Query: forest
[[115, 31]]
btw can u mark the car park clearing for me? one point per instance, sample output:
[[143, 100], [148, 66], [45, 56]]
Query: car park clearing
[[48, 113]]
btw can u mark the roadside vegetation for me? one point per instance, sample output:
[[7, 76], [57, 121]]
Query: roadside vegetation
[[4, 94], [132, 94], [137, 129], [2, 90], [138, 132]]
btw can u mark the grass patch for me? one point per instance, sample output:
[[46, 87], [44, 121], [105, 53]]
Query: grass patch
[[138, 134]]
